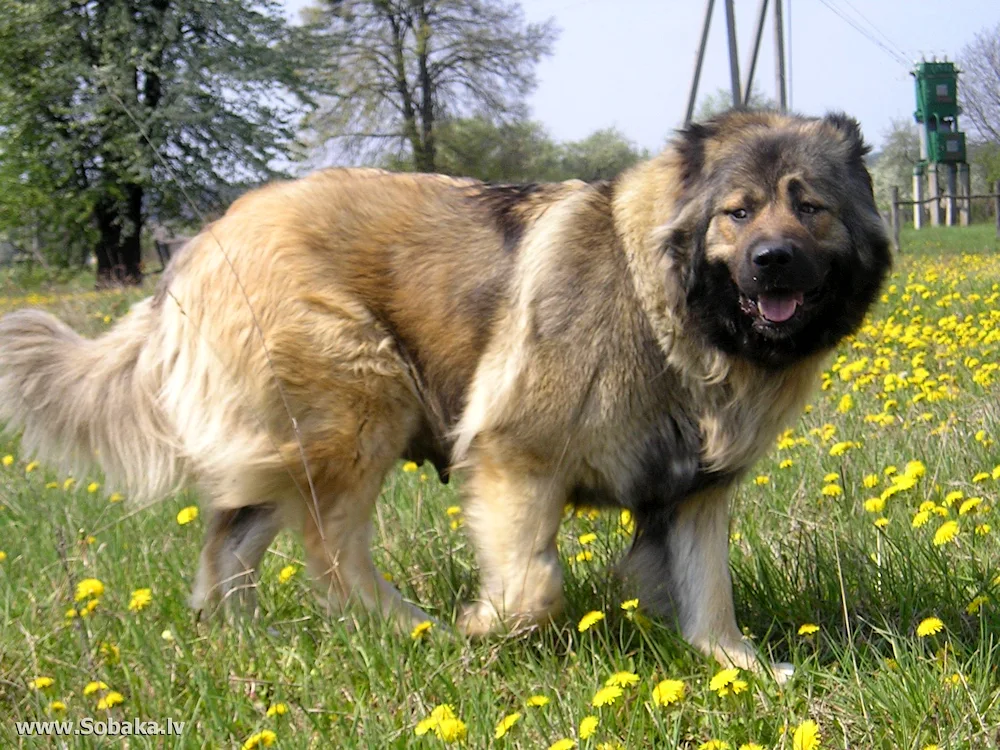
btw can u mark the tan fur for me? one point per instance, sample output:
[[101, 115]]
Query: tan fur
[[324, 328]]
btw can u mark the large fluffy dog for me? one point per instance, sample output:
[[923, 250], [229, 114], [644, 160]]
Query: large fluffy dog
[[636, 343]]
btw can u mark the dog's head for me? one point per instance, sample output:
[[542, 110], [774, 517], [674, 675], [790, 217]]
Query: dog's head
[[776, 239]]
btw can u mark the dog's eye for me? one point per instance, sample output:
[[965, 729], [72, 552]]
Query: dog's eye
[[738, 214], [809, 208]]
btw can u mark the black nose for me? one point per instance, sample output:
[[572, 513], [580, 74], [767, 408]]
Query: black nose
[[767, 255]]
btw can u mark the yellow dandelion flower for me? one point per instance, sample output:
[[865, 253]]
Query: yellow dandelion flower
[[977, 604], [881, 523], [71, 613], [589, 538], [870, 480], [889, 470], [833, 490], [831, 477], [453, 510], [839, 449], [68, 483], [762, 479], [116, 497], [723, 679], [806, 736], [505, 724], [995, 474], [3, 555], [140, 598], [27, 470], [714, 745], [589, 620], [606, 696], [418, 632], [668, 692], [920, 518], [947, 532], [41, 683], [51, 485], [786, 464], [915, 469], [410, 467], [930, 747], [929, 626], [969, 505], [93, 487], [287, 573], [626, 522], [751, 746], [588, 725], [874, 505], [537, 701], [89, 608], [982, 529], [564, 744], [622, 679], [846, 403], [89, 587], [92, 687], [110, 700], [277, 709], [981, 476], [111, 653], [8, 460], [187, 515], [584, 556], [630, 604], [57, 706], [264, 738], [808, 629], [952, 497]]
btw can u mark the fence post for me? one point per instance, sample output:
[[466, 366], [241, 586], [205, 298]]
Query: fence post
[[894, 217], [996, 205]]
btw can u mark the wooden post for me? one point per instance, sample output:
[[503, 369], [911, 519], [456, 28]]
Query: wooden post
[[918, 197], [964, 190], [752, 66], [894, 218], [698, 60], [933, 195], [779, 57], [996, 205], [734, 64], [951, 193]]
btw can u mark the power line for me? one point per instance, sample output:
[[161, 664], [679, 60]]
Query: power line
[[867, 35], [876, 29]]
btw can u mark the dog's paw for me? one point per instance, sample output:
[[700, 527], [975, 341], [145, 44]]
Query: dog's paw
[[782, 671], [478, 619]]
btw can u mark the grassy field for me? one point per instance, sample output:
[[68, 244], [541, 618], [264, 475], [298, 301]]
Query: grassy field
[[874, 514]]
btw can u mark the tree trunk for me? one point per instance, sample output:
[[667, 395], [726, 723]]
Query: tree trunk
[[119, 251]]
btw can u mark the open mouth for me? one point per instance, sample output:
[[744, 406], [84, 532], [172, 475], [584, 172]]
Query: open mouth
[[775, 309]]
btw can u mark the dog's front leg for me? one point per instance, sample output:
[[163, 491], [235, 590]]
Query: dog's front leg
[[512, 511], [681, 561]]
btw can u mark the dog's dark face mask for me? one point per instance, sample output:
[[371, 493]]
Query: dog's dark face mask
[[778, 241]]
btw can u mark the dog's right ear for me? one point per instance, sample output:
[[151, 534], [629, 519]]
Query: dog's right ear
[[690, 147]]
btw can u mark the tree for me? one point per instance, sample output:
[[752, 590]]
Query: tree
[[979, 90], [115, 110], [893, 165], [602, 155], [405, 66], [721, 100], [522, 151]]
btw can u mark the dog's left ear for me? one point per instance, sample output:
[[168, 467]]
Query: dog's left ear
[[850, 130]]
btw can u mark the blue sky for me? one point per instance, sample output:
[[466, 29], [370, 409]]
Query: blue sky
[[628, 63]]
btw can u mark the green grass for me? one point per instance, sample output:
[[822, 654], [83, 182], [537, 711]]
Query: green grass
[[977, 238], [798, 556]]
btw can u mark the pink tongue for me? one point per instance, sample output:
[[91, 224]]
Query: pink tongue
[[778, 308]]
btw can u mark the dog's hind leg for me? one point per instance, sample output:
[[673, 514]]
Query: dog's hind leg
[[338, 536], [235, 542]]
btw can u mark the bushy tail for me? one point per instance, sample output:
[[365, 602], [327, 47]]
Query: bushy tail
[[82, 402]]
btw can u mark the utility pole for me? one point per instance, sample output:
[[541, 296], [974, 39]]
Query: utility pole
[[741, 93]]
